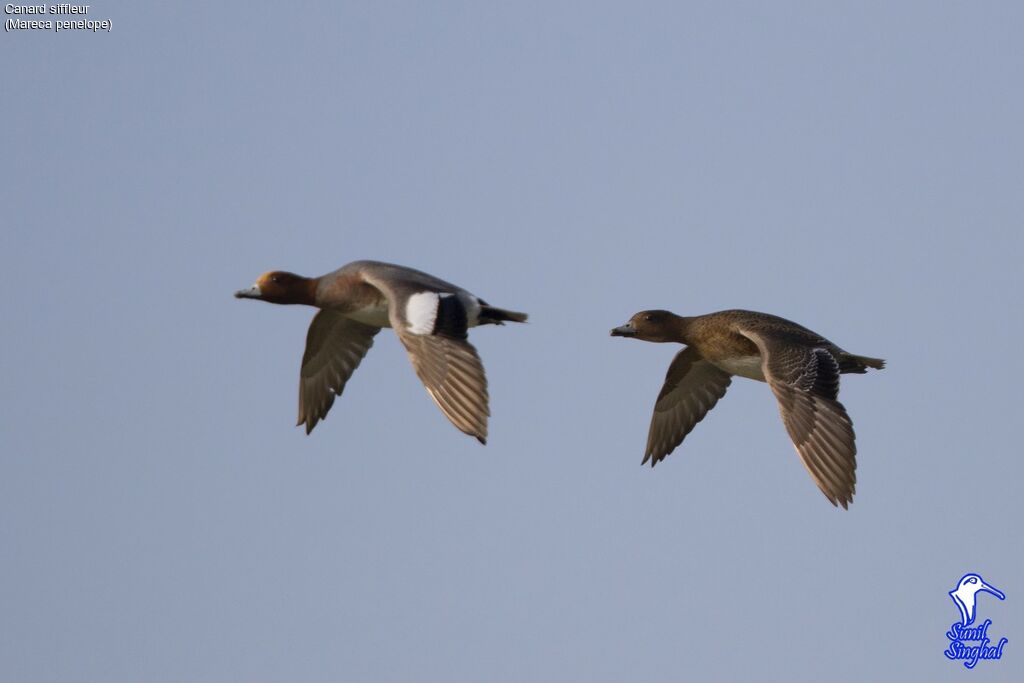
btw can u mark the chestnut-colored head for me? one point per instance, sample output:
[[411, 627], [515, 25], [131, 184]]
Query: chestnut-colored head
[[280, 287], [652, 326]]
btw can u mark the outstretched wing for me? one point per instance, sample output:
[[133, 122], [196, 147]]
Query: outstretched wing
[[805, 381], [453, 375], [335, 345], [692, 388], [432, 324]]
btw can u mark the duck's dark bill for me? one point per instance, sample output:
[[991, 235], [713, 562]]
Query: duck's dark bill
[[624, 331]]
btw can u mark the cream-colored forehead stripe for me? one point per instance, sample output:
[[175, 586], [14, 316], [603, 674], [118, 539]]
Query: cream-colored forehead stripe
[[421, 312]]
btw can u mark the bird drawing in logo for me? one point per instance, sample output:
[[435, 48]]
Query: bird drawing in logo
[[965, 595]]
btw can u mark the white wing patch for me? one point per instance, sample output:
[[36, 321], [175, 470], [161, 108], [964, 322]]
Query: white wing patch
[[421, 311]]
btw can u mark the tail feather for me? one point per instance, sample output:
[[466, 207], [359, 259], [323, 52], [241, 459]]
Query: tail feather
[[859, 364], [489, 315]]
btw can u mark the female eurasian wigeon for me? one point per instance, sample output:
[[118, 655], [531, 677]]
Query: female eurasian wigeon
[[800, 366], [429, 315]]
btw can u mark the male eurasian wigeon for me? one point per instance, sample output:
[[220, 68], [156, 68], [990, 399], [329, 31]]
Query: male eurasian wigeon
[[430, 317], [800, 366]]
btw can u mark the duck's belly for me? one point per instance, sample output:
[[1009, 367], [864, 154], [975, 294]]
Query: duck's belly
[[743, 366], [374, 315]]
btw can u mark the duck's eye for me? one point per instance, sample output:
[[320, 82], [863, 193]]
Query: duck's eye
[[275, 279], [649, 318]]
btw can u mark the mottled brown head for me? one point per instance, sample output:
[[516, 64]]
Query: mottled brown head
[[280, 287], [652, 326]]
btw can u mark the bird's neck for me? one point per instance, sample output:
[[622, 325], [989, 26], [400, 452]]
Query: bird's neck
[[683, 328], [301, 291], [309, 289]]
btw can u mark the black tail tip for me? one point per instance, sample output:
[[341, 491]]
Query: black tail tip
[[497, 316]]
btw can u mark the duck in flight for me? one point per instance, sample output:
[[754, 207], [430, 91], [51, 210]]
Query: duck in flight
[[801, 367], [430, 317]]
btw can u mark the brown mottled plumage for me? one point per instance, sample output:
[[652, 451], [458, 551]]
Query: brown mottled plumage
[[801, 367]]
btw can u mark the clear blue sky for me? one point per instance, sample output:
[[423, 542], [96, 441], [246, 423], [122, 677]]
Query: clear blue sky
[[856, 168]]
